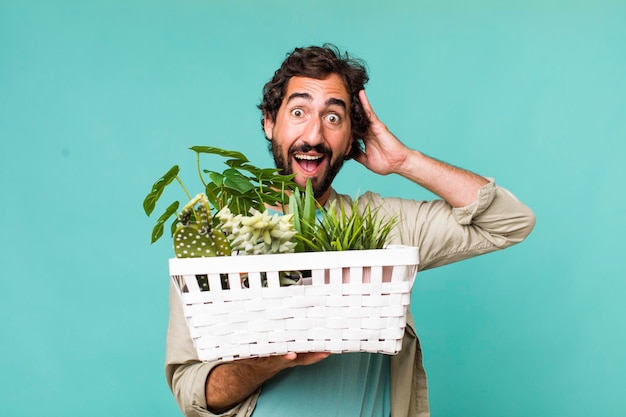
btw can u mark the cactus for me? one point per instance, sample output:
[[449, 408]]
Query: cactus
[[199, 239]]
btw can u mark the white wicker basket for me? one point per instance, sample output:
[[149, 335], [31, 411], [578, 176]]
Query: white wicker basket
[[354, 301]]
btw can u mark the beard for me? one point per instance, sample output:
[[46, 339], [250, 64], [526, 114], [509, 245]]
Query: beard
[[320, 185]]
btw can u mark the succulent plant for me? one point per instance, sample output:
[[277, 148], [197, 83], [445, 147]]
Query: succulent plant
[[303, 208], [340, 230], [335, 228], [258, 233], [199, 239]]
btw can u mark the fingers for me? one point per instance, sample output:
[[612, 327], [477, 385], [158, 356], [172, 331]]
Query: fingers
[[311, 358], [285, 361], [296, 359], [367, 106]]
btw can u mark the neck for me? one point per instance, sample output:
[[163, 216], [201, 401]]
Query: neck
[[324, 197]]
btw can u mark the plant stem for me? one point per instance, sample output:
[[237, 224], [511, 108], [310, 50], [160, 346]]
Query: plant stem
[[260, 194], [199, 169], [183, 187]]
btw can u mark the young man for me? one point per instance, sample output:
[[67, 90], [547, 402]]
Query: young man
[[316, 115]]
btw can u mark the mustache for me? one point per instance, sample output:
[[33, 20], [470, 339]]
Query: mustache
[[305, 147]]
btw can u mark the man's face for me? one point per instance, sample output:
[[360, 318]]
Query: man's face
[[312, 132]]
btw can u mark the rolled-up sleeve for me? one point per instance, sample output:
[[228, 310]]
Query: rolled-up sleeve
[[495, 220], [185, 373]]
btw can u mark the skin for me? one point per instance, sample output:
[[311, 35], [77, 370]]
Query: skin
[[312, 114], [385, 154], [312, 132]]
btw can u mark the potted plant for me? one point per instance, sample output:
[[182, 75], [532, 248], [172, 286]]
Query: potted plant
[[245, 306]]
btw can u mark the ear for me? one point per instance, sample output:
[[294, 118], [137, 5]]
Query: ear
[[268, 126]]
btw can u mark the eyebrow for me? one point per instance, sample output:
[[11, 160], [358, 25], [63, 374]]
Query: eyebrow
[[329, 102]]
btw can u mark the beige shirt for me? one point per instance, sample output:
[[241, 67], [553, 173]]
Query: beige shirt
[[443, 234]]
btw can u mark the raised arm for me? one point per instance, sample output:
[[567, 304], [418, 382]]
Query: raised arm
[[385, 154], [473, 217]]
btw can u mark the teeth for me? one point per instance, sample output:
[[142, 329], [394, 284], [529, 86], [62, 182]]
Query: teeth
[[309, 157]]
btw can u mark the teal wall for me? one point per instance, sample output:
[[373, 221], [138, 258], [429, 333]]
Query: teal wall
[[98, 98]]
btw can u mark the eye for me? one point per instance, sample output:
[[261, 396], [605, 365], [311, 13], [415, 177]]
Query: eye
[[297, 112], [333, 118]]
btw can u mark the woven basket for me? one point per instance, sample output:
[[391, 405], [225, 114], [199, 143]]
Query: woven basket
[[353, 301]]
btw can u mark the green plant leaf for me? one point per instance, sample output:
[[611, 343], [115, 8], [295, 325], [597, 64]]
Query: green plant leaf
[[212, 191], [157, 189], [235, 180], [216, 177], [157, 231], [241, 187], [174, 226], [258, 172], [218, 151], [308, 210], [236, 163], [294, 208], [345, 228], [270, 198]]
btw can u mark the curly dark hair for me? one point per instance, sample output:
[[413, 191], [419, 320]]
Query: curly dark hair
[[319, 62]]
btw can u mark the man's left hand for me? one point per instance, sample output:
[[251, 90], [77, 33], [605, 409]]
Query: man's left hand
[[384, 153]]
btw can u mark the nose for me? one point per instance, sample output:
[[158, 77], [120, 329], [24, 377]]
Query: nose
[[313, 134]]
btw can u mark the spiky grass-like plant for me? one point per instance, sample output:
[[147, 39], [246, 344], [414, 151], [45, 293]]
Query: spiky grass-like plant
[[337, 229]]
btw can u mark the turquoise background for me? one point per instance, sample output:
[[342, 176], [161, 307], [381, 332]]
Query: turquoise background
[[99, 98]]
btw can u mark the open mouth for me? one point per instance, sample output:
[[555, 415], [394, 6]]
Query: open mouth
[[309, 163]]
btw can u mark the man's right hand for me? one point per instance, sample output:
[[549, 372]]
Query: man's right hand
[[232, 382]]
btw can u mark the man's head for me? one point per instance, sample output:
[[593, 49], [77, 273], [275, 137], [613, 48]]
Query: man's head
[[312, 113]]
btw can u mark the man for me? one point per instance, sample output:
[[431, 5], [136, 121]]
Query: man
[[316, 115]]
